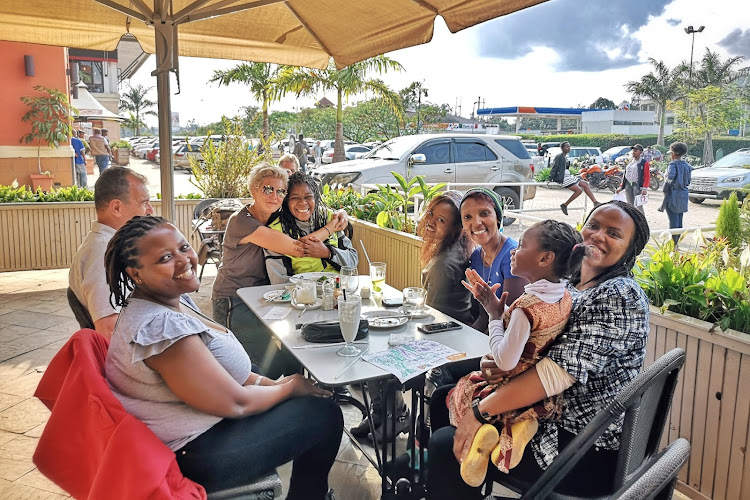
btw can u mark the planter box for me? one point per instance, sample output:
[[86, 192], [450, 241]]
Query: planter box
[[122, 156], [711, 406], [47, 235], [42, 181]]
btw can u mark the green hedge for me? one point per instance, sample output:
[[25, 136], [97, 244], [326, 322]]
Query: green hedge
[[10, 194], [606, 141]]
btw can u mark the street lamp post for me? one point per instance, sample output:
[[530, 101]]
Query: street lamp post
[[691, 31]]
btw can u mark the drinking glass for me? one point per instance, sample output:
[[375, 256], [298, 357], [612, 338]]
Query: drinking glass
[[350, 308], [349, 278], [413, 300], [304, 292], [377, 276]]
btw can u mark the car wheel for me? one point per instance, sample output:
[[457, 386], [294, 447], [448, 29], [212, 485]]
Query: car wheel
[[510, 200], [696, 200]]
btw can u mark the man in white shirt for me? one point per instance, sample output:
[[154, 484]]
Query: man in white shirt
[[119, 195]]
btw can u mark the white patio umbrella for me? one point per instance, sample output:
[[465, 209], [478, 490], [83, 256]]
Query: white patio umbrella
[[294, 32]]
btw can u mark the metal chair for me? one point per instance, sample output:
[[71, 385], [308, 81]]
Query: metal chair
[[81, 313], [645, 402], [656, 480], [210, 248]]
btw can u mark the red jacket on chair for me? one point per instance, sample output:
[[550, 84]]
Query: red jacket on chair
[[91, 447]]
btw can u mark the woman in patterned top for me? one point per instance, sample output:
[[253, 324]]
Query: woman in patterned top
[[601, 350]]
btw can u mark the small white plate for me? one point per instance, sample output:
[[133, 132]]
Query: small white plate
[[383, 319], [276, 296], [417, 314], [314, 305]]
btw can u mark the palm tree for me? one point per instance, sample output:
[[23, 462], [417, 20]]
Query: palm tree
[[135, 100], [133, 123], [347, 81], [262, 80], [660, 85]]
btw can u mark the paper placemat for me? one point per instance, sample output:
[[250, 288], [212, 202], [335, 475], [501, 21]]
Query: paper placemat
[[277, 312]]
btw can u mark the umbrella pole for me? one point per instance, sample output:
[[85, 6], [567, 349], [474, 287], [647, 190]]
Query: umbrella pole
[[166, 58]]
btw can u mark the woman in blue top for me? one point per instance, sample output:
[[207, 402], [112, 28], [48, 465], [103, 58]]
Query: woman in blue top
[[676, 188], [481, 216]]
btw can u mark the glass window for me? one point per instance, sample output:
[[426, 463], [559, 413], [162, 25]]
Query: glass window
[[515, 147], [90, 73], [473, 151], [435, 152]]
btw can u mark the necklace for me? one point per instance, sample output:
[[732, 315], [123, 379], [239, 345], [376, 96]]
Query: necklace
[[485, 253]]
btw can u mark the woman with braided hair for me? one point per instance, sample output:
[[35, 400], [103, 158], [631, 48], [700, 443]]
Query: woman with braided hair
[[190, 380], [601, 350], [302, 217]]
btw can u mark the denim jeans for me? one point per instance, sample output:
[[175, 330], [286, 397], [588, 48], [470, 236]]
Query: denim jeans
[[81, 177], [235, 451], [255, 337], [102, 161], [675, 221]]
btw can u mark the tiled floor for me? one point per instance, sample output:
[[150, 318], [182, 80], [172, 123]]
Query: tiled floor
[[35, 321]]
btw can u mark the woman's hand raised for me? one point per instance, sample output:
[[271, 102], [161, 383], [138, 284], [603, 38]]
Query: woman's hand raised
[[485, 294], [302, 387]]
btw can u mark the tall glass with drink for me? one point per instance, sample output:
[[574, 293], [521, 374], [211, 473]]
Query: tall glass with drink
[[413, 300], [377, 276], [349, 278], [350, 309]]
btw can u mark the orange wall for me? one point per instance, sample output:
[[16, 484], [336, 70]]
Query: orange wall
[[50, 64]]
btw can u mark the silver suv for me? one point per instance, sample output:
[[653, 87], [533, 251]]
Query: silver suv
[[731, 173], [450, 157]]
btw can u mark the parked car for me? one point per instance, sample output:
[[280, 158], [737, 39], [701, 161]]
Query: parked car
[[729, 174], [181, 156], [614, 153], [450, 157], [576, 152], [352, 152]]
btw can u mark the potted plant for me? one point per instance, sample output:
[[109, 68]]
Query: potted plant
[[121, 152], [50, 117]]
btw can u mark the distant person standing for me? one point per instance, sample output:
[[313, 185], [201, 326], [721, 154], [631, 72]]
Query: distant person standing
[[105, 134], [637, 176], [318, 153], [80, 159], [100, 150], [678, 179], [300, 151]]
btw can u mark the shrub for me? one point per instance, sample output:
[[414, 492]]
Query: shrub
[[10, 194], [728, 222]]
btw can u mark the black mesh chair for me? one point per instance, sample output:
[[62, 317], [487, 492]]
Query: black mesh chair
[[210, 247], [645, 402], [656, 480], [81, 313]]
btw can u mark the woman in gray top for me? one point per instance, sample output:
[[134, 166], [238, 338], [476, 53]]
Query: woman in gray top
[[190, 381]]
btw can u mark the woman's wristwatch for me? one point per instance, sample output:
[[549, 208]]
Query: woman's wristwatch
[[482, 416]]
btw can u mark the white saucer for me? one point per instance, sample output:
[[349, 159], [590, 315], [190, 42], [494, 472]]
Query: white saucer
[[277, 296], [314, 305], [426, 311], [383, 319]]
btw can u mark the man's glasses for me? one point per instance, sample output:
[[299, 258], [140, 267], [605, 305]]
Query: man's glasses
[[268, 190]]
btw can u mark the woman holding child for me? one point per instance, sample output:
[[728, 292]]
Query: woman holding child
[[601, 349]]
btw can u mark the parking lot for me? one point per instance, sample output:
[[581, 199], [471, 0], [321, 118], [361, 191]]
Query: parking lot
[[547, 199]]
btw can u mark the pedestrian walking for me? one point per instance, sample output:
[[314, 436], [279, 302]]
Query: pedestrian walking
[[561, 174], [100, 150], [80, 159], [300, 151], [678, 179], [318, 153], [637, 176]]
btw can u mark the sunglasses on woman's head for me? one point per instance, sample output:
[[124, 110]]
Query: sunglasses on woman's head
[[268, 190]]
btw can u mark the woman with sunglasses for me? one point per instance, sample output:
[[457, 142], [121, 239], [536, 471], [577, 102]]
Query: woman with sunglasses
[[242, 265]]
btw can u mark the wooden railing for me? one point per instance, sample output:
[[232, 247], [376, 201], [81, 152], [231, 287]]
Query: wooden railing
[[47, 235]]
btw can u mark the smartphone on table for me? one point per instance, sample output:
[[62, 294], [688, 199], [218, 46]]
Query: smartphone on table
[[393, 301], [444, 326]]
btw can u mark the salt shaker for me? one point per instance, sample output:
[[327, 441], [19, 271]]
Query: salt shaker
[[328, 296]]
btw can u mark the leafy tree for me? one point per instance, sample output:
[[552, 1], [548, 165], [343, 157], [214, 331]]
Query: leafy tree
[[282, 121], [319, 122], [262, 78], [371, 120], [602, 103], [133, 123], [713, 72], [661, 85], [50, 116], [136, 100], [346, 82], [712, 109], [411, 98]]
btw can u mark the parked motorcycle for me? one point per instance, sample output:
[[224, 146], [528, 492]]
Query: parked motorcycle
[[657, 178], [601, 178]]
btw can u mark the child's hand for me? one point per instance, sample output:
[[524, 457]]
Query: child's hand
[[485, 294]]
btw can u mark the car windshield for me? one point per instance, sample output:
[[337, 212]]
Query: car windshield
[[613, 150], [394, 149], [739, 159]]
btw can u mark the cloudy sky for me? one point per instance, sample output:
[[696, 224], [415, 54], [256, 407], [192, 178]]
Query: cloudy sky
[[561, 53]]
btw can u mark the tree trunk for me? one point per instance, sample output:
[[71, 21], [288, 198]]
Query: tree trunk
[[266, 126], [708, 149], [662, 115], [338, 145]]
